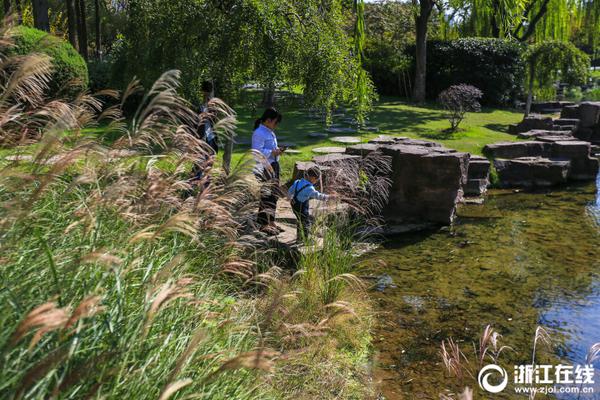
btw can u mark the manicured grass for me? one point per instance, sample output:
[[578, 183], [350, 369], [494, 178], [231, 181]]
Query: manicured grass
[[393, 117]]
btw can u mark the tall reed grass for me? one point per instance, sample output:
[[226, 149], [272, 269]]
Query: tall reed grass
[[123, 278]]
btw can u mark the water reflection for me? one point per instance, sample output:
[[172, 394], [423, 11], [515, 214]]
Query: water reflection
[[518, 261]]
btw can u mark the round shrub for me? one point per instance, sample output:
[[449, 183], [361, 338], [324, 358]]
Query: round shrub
[[70, 74]]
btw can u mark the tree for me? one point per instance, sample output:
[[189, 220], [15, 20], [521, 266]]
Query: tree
[[82, 28], [40, 15], [72, 23], [458, 100], [425, 7], [97, 29], [552, 60]]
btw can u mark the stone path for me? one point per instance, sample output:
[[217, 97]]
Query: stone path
[[329, 150], [345, 139]]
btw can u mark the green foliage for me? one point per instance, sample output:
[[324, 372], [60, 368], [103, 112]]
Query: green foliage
[[70, 70], [389, 30], [555, 60], [495, 66], [298, 43]]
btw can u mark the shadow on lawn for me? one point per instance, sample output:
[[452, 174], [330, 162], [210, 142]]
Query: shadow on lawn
[[502, 128]]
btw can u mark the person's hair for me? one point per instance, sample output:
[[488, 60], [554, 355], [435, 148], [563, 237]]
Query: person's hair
[[313, 172], [270, 113], [207, 86]]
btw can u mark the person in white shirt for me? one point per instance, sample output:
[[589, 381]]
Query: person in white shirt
[[264, 141]]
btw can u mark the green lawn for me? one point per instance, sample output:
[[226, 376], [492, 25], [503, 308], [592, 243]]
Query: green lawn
[[393, 117]]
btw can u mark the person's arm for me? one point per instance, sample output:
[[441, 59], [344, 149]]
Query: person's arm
[[315, 194]]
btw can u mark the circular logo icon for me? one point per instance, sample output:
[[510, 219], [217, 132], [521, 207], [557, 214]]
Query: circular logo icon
[[491, 370]]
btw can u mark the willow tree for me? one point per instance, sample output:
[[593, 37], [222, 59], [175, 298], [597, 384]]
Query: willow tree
[[552, 60], [525, 20]]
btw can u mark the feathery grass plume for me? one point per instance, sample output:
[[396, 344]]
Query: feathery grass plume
[[593, 353], [261, 359], [174, 387], [48, 317], [454, 359], [166, 294], [541, 335]]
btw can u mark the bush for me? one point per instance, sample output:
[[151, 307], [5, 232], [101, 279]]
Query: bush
[[495, 66], [458, 100], [70, 75]]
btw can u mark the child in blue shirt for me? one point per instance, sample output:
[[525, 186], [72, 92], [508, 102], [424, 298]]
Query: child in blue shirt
[[301, 191]]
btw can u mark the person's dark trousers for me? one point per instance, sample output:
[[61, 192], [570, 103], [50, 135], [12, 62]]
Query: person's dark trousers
[[303, 220], [269, 195]]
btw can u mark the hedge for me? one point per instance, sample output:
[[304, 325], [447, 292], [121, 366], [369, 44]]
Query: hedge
[[495, 66], [70, 75]]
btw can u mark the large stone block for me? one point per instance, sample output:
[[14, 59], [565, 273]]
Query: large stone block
[[571, 111], [533, 121], [589, 114], [426, 185], [362, 149], [531, 172], [518, 149]]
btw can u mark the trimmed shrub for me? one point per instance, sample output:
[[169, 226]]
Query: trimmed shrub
[[70, 74], [495, 66], [458, 100]]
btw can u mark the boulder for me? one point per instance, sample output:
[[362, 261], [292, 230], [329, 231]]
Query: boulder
[[589, 114], [478, 175], [383, 139], [538, 133], [362, 149], [329, 150], [571, 111], [426, 185], [566, 122], [301, 167], [531, 172], [518, 149], [578, 153], [533, 121], [335, 159], [552, 139], [417, 142]]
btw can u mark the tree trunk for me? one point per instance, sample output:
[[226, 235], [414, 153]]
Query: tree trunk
[[98, 33], [72, 23], [530, 91], [421, 20], [81, 28], [227, 152], [19, 11], [40, 15], [269, 96]]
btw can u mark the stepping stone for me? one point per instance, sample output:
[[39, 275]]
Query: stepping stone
[[340, 130], [318, 135], [370, 129], [329, 150], [345, 139], [292, 151]]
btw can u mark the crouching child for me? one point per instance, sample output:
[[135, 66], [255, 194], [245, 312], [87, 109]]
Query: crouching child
[[301, 191]]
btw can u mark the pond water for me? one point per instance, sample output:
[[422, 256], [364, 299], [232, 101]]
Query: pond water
[[518, 261]]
